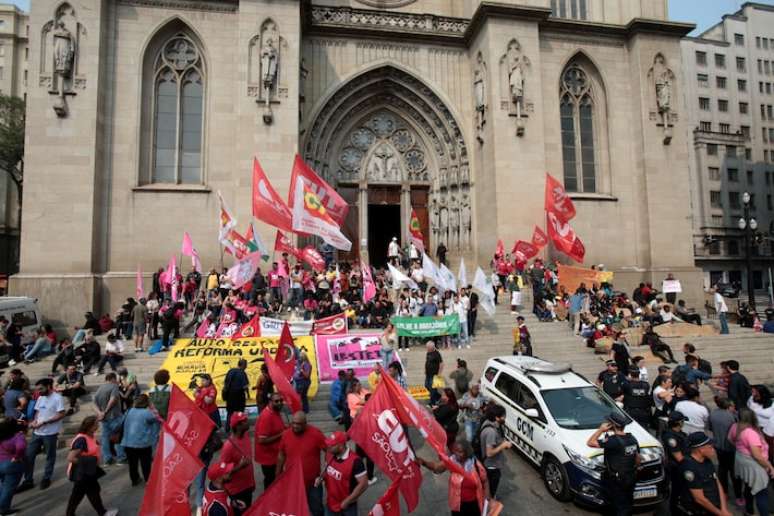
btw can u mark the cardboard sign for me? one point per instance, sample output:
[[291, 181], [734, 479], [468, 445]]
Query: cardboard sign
[[671, 287]]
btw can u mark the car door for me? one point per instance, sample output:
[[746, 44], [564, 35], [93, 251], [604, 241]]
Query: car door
[[536, 433], [519, 428]]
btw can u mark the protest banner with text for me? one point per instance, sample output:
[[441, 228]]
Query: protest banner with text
[[571, 277], [421, 327]]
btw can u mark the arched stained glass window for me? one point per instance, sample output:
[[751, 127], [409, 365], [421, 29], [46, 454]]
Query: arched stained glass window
[[577, 110]]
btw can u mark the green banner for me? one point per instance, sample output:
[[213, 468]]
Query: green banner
[[421, 327]]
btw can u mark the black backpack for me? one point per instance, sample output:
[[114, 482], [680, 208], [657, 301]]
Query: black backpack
[[478, 450]]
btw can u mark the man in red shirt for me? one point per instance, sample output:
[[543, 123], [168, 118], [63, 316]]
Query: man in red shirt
[[345, 477], [275, 281], [268, 432], [304, 442], [236, 452], [216, 501]]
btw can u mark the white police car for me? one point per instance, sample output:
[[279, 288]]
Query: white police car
[[550, 413]]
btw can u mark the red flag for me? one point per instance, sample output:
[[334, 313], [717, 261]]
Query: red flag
[[500, 249], [539, 238], [332, 325], [251, 328], [286, 352], [238, 246], [378, 430], [227, 330], [311, 216], [311, 256], [188, 422], [284, 497], [268, 206], [281, 382], [564, 238], [282, 245], [334, 204], [557, 200], [174, 467], [415, 231], [526, 250], [388, 504]]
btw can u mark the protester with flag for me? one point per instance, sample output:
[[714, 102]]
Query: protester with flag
[[345, 477], [236, 452], [304, 442]]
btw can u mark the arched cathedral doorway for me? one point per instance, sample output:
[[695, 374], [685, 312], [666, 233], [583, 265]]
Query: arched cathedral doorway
[[389, 144]]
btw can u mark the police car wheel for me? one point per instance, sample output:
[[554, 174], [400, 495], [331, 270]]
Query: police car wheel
[[555, 480]]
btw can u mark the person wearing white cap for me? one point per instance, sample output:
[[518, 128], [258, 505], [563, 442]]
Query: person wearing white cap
[[393, 251]]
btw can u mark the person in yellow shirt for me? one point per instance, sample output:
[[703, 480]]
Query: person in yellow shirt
[[212, 280]]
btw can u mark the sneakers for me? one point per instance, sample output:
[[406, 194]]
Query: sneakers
[[112, 512], [373, 481], [12, 363], [121, 462], [45, 484]]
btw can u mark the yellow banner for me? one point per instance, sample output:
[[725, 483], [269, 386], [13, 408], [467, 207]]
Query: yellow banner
[[191, 357], [571, 277]]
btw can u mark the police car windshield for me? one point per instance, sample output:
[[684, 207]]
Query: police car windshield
[[579, 408]]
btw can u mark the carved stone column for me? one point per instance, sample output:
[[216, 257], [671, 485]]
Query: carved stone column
[[405, 212], [362, 229]]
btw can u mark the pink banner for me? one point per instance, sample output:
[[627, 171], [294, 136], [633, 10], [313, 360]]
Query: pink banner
[[340, 352]]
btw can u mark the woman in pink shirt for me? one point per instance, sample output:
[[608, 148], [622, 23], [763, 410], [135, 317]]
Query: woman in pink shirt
[[751, 463], [12, 449]]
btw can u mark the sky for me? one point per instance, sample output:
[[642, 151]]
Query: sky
[[704, 13]]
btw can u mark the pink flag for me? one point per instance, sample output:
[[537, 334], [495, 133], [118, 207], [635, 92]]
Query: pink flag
[[244, 270], [139, 290], [188, 248], [171, 275], [196, 262], [206, 330], [369, 288]]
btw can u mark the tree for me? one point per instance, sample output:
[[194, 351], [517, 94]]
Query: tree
[[12, 142]]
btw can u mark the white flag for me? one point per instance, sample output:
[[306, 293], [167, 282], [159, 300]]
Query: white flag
[[244, 270], [484, 287], [448, 278], [430, 271], [399, 279], [462, 275]]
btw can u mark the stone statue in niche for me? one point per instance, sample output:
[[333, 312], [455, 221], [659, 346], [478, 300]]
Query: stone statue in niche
[[434, 219], [453, 174], [663, 82], [465, 174], [479, 93], [516, 64], [465, 222], [59, 63], [454, 223], [383, 165], [443, 233], [269, 59]]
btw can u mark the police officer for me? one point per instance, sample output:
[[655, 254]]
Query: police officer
[[676, 448], [702, 493], [611, 380], [637, 400], [622, 458]]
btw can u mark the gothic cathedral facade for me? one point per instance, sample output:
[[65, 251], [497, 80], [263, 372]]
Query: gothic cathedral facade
[[141, 111]]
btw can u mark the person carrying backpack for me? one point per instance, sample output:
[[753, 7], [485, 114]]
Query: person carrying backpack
[[159, 395], [492, 444]]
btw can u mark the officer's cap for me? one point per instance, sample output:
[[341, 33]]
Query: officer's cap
[[676, 417], [699, 439]]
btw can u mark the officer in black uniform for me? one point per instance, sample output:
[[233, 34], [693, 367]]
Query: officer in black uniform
[[611, 380], [676, 448], [622, 458], [702, 493], [637, 400]]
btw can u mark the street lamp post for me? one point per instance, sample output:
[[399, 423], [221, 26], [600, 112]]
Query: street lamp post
[[748, 225]]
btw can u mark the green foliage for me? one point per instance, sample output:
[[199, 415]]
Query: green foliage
[[11, 135]]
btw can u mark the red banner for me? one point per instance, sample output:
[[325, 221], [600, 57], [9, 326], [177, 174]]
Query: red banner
[[378, 430], [564, 238], [174, 468], [334, 204], [332, 325], [524, 250], [311, 256], [286, 496], [251, 328], [500, 249], [286, 352], [415, 231], [557, 200], [539, 238], [268, 206], [187, 421], [282, 244], [388, 504], [281, 382]]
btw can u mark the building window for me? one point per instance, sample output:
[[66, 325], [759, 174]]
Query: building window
[[705, 126], [2, 50], [577, 113], [766, 67], [730, 151], [766, 43], [720, 60], [576, 9], [763, 111], [769, 205], [741, 65], [715, 199], [725, 128], [733, 200], [717, 220], [745, 130], [760, 86], [765, 134], [760, 66], [758, 41], [704, 103], [712, 149], [750, 178], [739, 40], [723, 106], [770, 111], [733, 175], [703, 80], [771, 134], [733, 247], [741, 85], [701, 58], [26, 53], [748, 153], [768, 88], [714, 247], [720, 82], [178, 112], [744, 108], [714, 173]]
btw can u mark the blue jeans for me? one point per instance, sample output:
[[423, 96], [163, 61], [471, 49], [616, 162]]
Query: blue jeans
[[387, 358], [10, 475], [302, 388], [48, 442], [41, 348], [434, 394], [314, 498], [470, 430], [723, 323], [107, 428], [349, 511]]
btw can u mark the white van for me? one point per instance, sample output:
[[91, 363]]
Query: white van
[[550, 413], [22, 310]]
